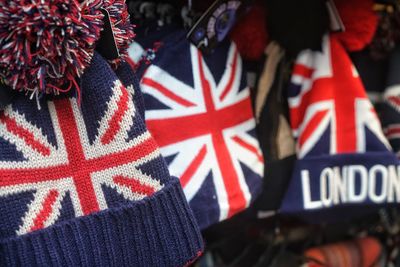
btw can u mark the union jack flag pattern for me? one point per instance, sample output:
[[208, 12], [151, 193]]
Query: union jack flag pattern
[[68, 160], [198, 109], [327, 94], [102, 161], [336, 128]]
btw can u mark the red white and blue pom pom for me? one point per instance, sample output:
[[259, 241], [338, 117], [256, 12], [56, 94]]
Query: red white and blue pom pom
[[46, 45], [122, 27]]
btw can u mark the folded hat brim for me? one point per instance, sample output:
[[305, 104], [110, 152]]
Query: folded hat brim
[[157, 231]]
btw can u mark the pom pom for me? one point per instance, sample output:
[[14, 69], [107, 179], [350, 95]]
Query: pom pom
[[122, 27], [250, 33], [45, 45], [360, 23]]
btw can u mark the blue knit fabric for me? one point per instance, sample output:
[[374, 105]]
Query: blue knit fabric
[[158, 231], [83, 184]]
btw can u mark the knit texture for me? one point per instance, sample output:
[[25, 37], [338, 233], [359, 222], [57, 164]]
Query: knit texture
[[344, 159], [86, 185], [198, 109], [45, 46]]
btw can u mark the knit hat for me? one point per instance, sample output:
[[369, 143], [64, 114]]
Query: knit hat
[[344, 160], [199, 111], [86, 185]]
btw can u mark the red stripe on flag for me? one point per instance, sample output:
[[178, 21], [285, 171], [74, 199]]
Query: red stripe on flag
[[311, 126], [194, 165], [25, 135], [114, 125], [249, 147], [231, 78], [79, 168], [15, 176], [390, 131], [131, 63], [134, 185], [191, 126], [395, 100], [44, 213], [302, 70], [163, 90], [236, 198]]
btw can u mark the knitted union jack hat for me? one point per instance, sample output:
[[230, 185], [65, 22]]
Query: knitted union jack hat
[[86, 185], [199, 111], [344, 160]]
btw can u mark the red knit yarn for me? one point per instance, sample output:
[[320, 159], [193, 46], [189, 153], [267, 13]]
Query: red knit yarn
[[360, 22], [250, 33]]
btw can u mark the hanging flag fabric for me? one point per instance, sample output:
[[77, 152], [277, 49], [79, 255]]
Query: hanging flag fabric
[[198, 108]]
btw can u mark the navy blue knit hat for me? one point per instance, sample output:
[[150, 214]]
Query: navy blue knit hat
[[86, 185], [344, 160], [199, 111]]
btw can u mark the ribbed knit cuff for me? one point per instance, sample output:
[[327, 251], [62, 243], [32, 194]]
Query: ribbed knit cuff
[[157, 231]]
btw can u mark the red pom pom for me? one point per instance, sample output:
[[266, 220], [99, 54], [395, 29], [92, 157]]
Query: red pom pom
[[360, 22], [250, 33], [44, 45]]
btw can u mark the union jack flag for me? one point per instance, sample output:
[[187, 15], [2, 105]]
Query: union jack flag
[[199, 112], [66, 161], [329, 110]]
